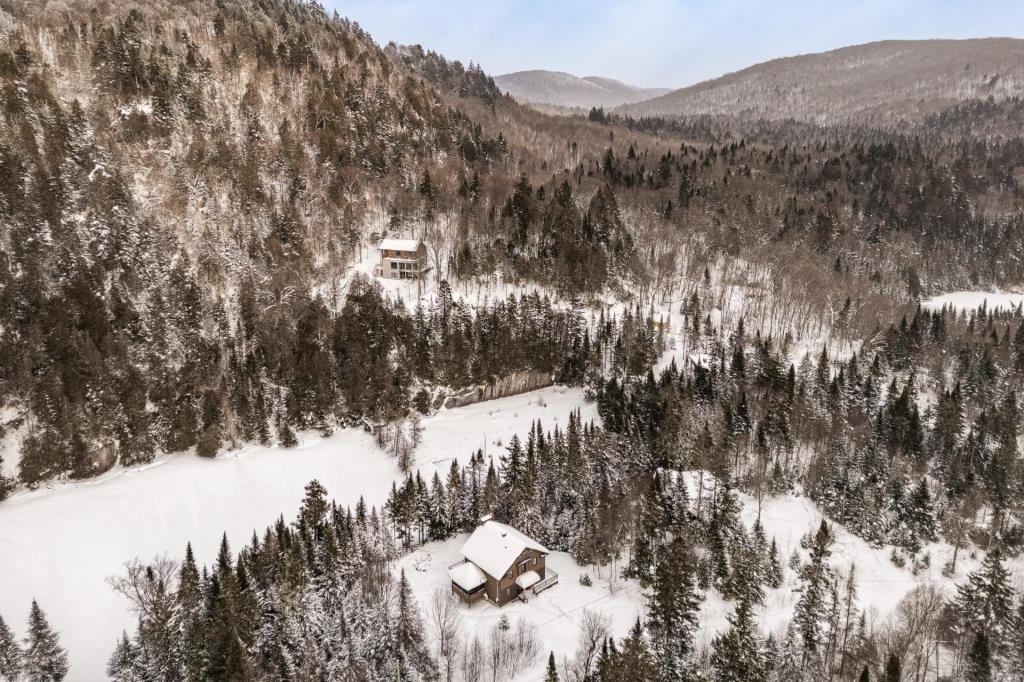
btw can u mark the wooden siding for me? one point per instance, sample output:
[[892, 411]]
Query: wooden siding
[[503, 590]]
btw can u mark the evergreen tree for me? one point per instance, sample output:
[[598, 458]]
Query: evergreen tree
[[984, 602], [1015, 643], [774, 573], [892, 669], [922, 517], [10, 653], [638, 663], [552, 673], [125, 664], [190, 605], [410, 639], [314, 505], [44, 659], [672, 610], [737, 655], [979, 660], [810, 612]]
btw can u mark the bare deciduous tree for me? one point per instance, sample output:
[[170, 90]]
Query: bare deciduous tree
[[146, 586], [473, 662], [447, 622], [594, 629]]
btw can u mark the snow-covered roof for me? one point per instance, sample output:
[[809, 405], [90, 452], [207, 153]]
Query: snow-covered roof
[[400, 244], [528, 579], [493, 546], [467, 576]]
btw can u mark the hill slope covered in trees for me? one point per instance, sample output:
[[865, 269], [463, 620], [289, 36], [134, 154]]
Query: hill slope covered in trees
[[566, 90], [880, 83], [188, 189]]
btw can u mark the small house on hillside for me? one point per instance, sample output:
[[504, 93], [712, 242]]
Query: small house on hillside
[[402, 258], [500, 565]]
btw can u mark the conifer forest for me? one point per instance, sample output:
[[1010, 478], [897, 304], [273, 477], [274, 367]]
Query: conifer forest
[[754, 382]]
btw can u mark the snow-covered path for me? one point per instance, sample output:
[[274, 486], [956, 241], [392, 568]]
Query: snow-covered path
[[60, 545]]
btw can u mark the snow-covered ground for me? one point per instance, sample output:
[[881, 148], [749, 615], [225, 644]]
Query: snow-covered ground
[[478, 291], [558, 611], [970, 300], [60, 544]]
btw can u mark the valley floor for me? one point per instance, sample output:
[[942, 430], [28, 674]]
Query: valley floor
[[59, 545]]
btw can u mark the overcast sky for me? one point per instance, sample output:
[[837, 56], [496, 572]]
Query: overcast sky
[[666, 43]]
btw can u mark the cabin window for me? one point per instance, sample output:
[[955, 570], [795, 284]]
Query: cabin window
[[394, 266]]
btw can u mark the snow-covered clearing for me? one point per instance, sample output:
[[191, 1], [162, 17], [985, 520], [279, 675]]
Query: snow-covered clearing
[[477, 291], [880, 583], [970, 300], [60, 544], [558, 611]]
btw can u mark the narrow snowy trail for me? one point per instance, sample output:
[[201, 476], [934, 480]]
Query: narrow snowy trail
[[60, 545]]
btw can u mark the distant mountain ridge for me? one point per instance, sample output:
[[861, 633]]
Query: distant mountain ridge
[[566, 90], [876, 82]]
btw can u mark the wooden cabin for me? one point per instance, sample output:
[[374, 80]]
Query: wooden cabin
[[500, 565], [402, 258]]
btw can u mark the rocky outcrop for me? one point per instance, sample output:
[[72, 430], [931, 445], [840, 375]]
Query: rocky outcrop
[[501, 387]]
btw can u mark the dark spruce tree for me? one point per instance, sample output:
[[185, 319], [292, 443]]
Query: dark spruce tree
[[43, 657]]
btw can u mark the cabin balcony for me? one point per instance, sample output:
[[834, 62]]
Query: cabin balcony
[[535, 587], [468, 582]]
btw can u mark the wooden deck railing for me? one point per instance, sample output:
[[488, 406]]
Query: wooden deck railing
[[550, 578]]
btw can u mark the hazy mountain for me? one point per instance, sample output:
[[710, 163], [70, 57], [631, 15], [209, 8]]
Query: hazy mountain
[[566, 90], [878, 82]]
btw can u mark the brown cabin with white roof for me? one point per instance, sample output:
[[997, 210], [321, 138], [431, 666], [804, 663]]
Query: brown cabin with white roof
[[500, 565], [402, 258]]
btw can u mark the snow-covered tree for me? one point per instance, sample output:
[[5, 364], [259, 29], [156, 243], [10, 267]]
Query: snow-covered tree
[[44, 659]]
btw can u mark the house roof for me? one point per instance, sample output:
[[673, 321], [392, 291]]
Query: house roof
[[493, 547], [467, 576], [400, 244], [528, 579]]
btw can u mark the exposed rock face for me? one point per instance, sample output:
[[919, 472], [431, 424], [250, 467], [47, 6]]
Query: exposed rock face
[[502, 387]]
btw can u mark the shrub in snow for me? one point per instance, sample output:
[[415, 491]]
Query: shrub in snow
[[794, 560], [585, 580]]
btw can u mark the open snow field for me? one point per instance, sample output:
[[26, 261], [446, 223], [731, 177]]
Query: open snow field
[[970, 300], [60, 544]]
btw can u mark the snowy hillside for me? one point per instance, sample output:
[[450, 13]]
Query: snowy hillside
[[566, 90]]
